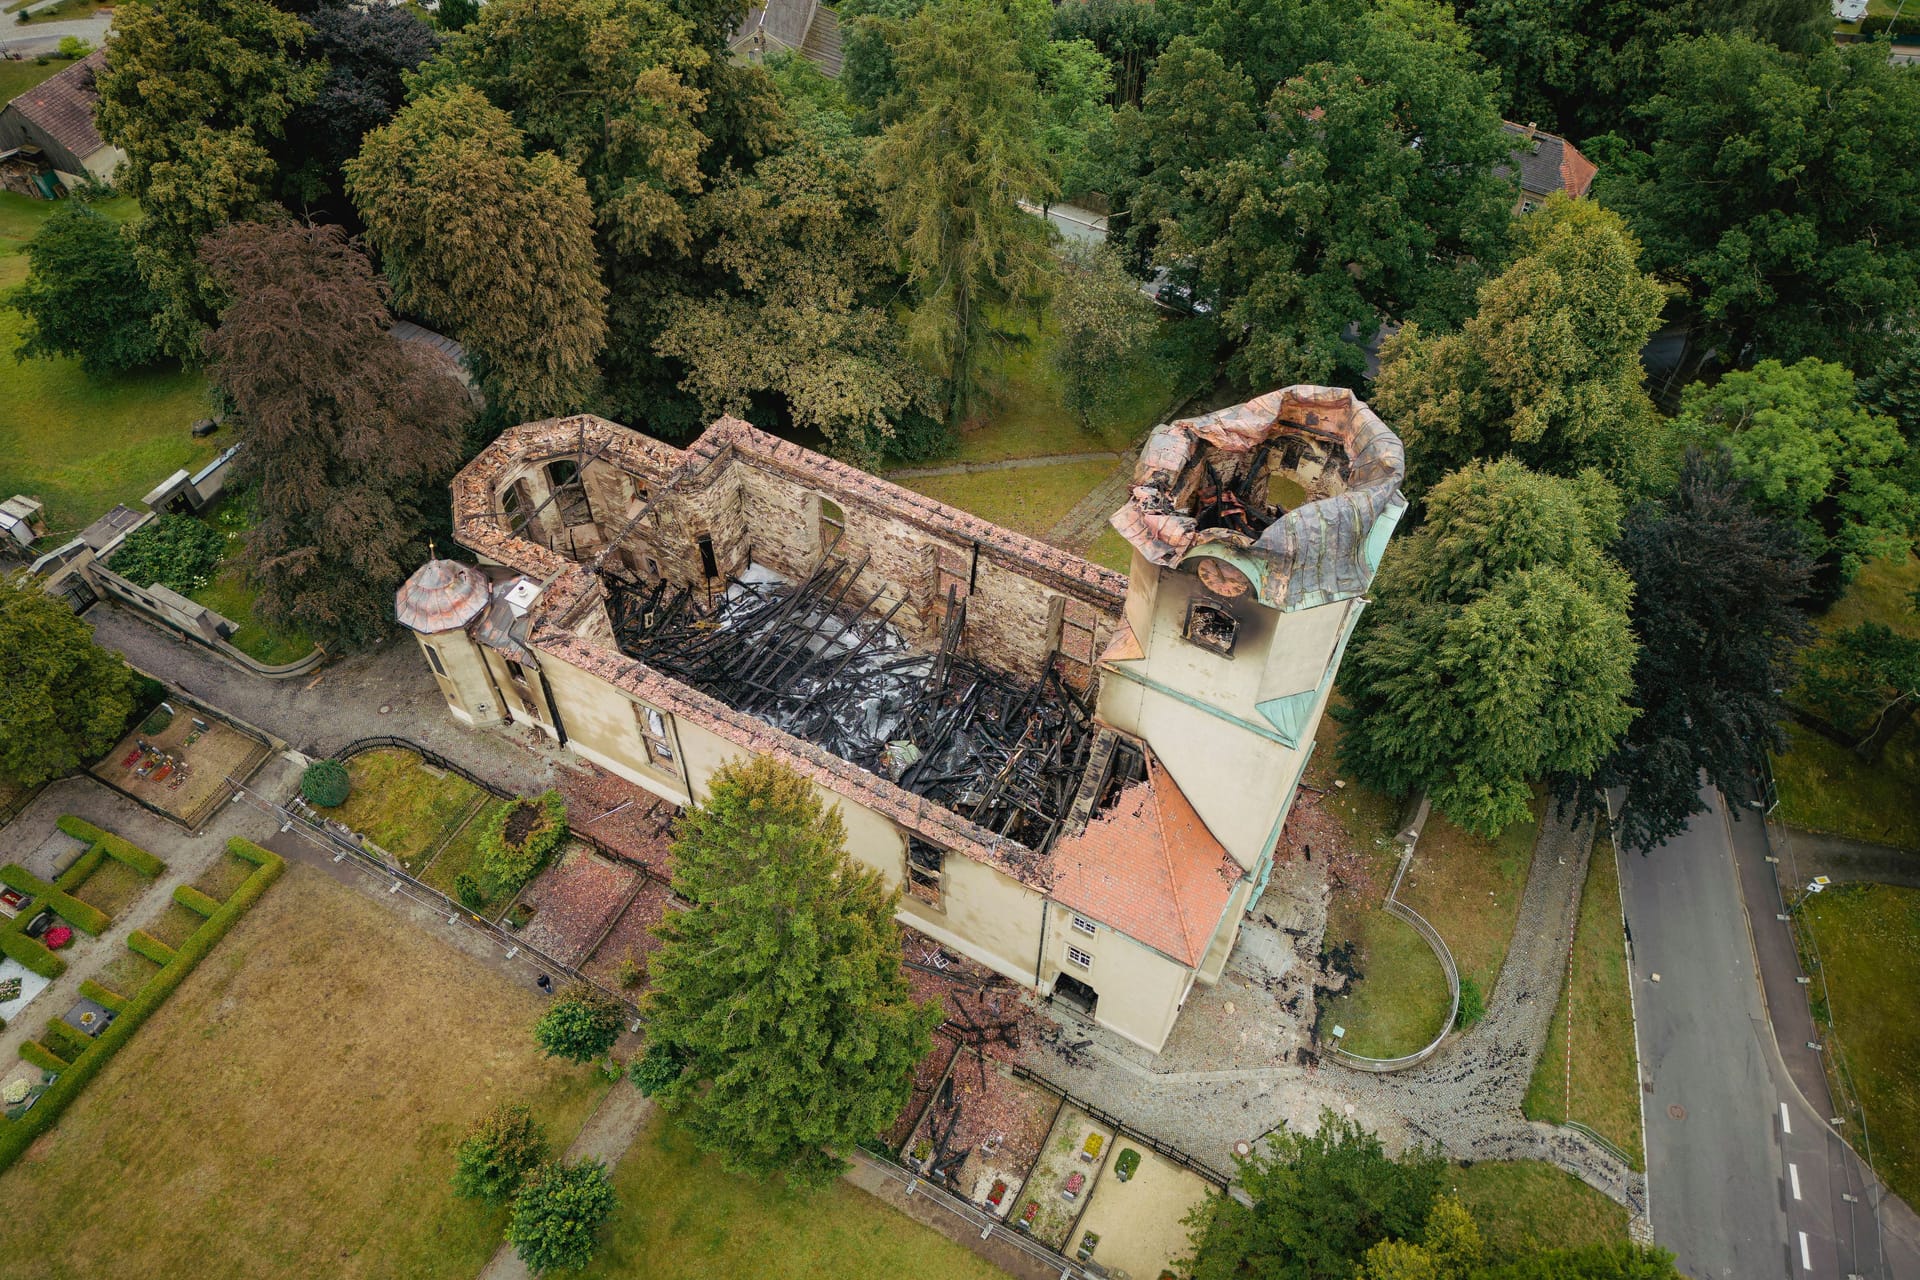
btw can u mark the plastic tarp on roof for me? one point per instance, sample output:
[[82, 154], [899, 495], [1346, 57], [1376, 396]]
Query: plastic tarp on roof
[[1315, 553]]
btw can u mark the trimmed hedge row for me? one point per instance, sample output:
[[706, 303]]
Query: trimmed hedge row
[[83, 866], [101, 995], [30, 952], [194, 900], [42, 1057], [116, 848], [17, 1135], [81, 915], [142, 943], [65, 1041]]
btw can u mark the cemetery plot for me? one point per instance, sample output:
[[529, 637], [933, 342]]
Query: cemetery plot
[[982, 1133], [569, 906], [1135, 1222], [1062, 1182], [179, 759]]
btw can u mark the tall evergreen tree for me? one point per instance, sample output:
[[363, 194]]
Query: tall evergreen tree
[[779, 996], [490, 244], [196, 92], [84, 296], [1548, 369], [958, 164], [1497, 652], [351, 434], [1716, 608], [63, 699]]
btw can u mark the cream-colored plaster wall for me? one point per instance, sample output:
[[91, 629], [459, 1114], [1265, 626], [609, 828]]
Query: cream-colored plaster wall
[[1214, 963], [1140, 989], [464, 685]]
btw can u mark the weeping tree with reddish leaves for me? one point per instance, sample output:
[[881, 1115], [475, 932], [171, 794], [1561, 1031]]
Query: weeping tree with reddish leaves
[[351, 434]]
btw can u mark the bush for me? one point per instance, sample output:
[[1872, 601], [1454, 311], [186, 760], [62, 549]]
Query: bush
[[468, 890], [101, 996], [83, 866], [81, 915], [65, 1041], [499, 1151], [629, 972], [45, 1059], [326, 784], [72, 47], [656, 1069], [157, 720], [1473, 1005], [57, 937], [179, 553], [196, 901], [116, 848], [518, 839], [558, 1213], [17, 1135], [581, 1024], [30, 952], [142, 943]]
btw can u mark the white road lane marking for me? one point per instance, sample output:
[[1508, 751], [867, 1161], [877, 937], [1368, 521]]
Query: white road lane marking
[[1793, 1173], [1786, 1125], [1806, 1259]]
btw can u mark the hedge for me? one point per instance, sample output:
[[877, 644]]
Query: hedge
[[17, 1135], [83, 866], [64, 1040], [116, 848], [30, 952], [42, 1057], [194, 900], [81, 915], [101, 995], [142, 943]]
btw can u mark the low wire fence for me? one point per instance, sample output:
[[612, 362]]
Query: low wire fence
[[989, 1227], [1394, 907], [1118, 1125]]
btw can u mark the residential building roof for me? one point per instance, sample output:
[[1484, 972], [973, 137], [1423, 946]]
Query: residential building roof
[[62, 107], [1149, 867], [805, 26], [1548, 163]]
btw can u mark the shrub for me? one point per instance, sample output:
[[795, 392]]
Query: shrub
[[498, 1152], [29, 951], [45, 1059], [629, 972], [83, 866], [142, 943], [326, 784], [558, 1213], [157, 720], [81, 915], [195, 900], [179, 553], [468, 890], [116, 848], [57, 937], [72, 47], [101, 996], [656, 1069], [1473, 1005], [518, 839], [581, 1024], [65, 1041]]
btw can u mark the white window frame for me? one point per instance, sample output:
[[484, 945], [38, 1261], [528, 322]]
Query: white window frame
[[1086, 926], [1075, 956], [433, 660]]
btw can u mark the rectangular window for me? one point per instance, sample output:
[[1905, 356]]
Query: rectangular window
[[518, 672], [654, 737], [926, 871], [1211, 627], [1076, 956], [1084, 926], [433, 660]]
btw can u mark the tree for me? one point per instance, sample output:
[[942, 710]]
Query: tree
[[84, 296], [1619, 1261], [581, 1024], [558, 1213], [1548, 369], [63, 699], [1894, 389], [1497, 651], [958, 164], [1104, 321], [1809, 451], [780, 991], [350, 433], [492, 245], [1311, 197], [195, 92], [1320, 1201], [1450, 1248], [1740, 132], [501, 1148], [1716, 608], [805, 314], [1129, 33], [455, 15], [1863, 681]]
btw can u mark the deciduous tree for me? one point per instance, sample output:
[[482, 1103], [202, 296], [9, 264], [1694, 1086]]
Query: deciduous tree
[[498, 1152], [557, 1215], [351, 434], [63, 699], [1716, 607], [1320, 1201], [1863, 681], [581, 1024], [489, 243], [1548, 368], [1450, 1248], [779, 994], [1104, 322], [1497, 651], [958, 164], [196, 92], [84, 296]]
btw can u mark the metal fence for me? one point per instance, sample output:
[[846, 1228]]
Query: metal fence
[[1394, 907], [1118, 1125], [990, 1227]]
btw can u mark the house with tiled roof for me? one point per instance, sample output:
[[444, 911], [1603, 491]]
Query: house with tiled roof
[[1075, 777], [54, 120], [1544, 163], [806, 27]]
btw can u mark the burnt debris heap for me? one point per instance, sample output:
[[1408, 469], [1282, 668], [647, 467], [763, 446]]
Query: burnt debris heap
[[820, 659]]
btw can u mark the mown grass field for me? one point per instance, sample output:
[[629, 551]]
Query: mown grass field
[[16, 77], [292, 1110], [402, 805], [1605, 1076], [683, 1217], [1030, 500], [1519, 1203]]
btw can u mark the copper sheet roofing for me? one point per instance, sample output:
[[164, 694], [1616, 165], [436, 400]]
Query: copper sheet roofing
[[440, 596], [1313, 554], [1149, 868]]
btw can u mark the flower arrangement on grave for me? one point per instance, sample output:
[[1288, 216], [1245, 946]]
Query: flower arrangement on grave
[[1124, 1166], [1074, 1182], [9, 989], [1028, 1214], [1088, 1243], [16, 1092], [57, 937]]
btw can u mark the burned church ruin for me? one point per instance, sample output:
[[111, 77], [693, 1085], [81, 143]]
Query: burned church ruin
[[1078, 777]]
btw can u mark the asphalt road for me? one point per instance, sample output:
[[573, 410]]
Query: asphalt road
[[1746, 1178]]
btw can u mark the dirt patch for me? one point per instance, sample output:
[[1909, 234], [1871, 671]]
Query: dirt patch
[[984, 1129], [629, 820], [184, 768], [927, 1075], [521, 820], [574, 901], [632, 935]]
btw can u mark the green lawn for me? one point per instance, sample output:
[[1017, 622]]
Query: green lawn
[[113, 886], [1869, 939], [232, 596], [65, 11], [403, 806], [1520, 1202], [176, 924], [459, 853], [78, 444], [1111, 550], [223, 877], [1030, 499], [682, 1217], [18, 77], [1605, 1077]]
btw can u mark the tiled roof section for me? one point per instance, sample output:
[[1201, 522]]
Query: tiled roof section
[[1547, 162], [440, 596], [1149, 868], [822, 45], [62, 106]]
